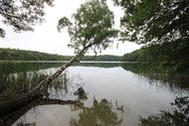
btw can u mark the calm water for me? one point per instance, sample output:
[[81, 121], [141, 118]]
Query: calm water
[[113, 96]]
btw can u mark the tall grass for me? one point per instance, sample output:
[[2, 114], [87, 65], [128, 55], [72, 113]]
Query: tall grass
[[12, 85]]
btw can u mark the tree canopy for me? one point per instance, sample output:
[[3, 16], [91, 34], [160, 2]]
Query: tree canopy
[[22, 14], [160, 24], [92, 26], [155, 21]]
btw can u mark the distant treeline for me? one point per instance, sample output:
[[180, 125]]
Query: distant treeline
[[16, 54], [102, 58]]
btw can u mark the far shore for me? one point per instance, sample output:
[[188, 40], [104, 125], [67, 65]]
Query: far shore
[[60, 61]]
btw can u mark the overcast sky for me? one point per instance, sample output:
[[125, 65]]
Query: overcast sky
[[45, 37]]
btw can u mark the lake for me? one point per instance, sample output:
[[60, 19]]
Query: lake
[[109, 94]]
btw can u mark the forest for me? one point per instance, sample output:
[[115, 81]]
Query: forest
[[172, 56], [23, 55]]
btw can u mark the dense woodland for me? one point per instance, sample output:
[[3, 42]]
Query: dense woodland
[[16, 54], [170, 56]]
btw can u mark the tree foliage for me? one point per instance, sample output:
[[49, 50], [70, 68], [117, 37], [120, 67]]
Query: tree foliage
[[155, 21], [161, 24], [92, 26], [22, 14]]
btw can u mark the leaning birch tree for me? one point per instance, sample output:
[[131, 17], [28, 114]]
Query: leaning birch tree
[[92, 28]]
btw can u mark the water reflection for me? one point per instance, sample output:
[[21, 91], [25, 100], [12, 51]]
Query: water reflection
[[67, 86], [8, 68], [150, 73], [70, 99], [154, 74], [31, 109], [179, 116], [101, 114], [9, 71]]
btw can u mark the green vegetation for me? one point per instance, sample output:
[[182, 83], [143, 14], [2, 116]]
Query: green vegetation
[[102, 58], [174, 61], [18, 78], [141, 55], [14, 85], [155, 21], [16, 54], [92, 27], [163, 26]]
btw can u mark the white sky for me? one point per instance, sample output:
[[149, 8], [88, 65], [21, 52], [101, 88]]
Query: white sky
[[45, 37]]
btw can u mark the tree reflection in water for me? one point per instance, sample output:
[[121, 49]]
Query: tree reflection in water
[[65, 86], [178, 117], [27, 124], [100, 114]]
